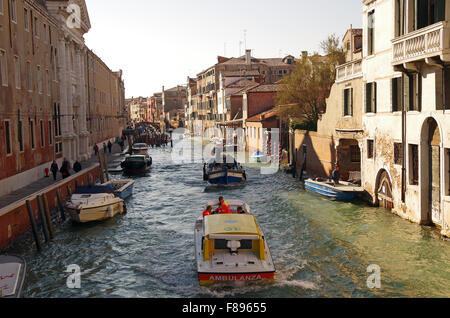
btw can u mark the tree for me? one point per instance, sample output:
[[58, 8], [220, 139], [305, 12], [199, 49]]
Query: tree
[[304, 93]]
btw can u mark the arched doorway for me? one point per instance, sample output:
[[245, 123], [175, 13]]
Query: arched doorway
[[432, 173], [384, 191]]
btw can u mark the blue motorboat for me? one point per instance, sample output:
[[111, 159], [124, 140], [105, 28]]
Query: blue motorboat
[[343, 191], [122, 188], [226, 173]]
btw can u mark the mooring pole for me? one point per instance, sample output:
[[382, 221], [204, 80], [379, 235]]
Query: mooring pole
[[48, 216], [61, 205], [33, 227], [43, 219]]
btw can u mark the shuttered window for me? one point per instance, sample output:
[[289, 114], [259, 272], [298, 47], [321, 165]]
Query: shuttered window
[[371, 97], [371, 33], [414, 164], [8, 136], [396, 94], [348, 102]]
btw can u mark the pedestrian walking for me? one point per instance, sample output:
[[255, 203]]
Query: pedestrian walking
[[104, 147], [65, 169], [96, 149], [54, 169], [109, 146], [77, 167]]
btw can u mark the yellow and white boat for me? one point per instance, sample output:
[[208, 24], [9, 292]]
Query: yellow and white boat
[[231, 247], [94, 203]]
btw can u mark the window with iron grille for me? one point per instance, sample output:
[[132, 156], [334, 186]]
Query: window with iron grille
[[414, 164], [355, 154], [370, 149], [398, 153]]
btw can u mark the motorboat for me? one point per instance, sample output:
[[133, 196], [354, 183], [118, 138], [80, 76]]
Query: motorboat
[[231, 247], [136, 164], [342, 191], [228, 172], [122, 188], [12, 276], [140, 149], [94, 203]]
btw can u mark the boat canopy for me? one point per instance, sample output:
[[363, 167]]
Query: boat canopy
[[93, 190], [231, 224]]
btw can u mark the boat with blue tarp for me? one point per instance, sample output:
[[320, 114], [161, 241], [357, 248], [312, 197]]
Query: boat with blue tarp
[[122, 188]]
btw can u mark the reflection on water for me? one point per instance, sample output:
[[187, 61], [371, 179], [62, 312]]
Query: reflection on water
[[320, 248]]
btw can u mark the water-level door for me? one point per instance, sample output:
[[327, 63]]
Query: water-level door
[[435, 185]]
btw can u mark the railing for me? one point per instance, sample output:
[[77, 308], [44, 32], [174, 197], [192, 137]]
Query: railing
[[349, 70], [426, 42]]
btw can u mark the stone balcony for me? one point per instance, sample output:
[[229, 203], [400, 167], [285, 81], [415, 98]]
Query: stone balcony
[[431, 41], [349, 71]]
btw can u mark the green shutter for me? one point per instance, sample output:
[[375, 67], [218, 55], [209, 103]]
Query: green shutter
[[351, 101]]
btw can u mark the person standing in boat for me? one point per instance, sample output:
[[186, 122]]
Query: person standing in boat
[[335, 175], [224, 207]]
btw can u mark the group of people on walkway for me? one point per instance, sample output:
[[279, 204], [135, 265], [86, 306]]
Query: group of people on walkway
[[65, 168]]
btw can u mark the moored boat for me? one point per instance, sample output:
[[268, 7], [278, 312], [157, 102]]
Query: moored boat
[[231, 247], [226, 173], [94, 203], [12, 276], [344, 191], [136, 164], [122, 188]]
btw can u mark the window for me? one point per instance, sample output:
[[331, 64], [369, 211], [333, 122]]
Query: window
[[8, 138], [13, 11], [45, 33], [32, 134], [355, 154], [370, 149], [400, 17], [4, 68], [36, 27], [39, 79], [447, 166], [17, 71], [428, 12], [396, 89], [371, 32], [41, 123], [371, 97], [49, 82], [19, 135], [25, 20], [50, 133], [414, 164], [29, 76], [398, 153], [348, 102], [413, 92]]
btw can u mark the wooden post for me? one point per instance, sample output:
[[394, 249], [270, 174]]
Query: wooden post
[[61, 205], [76, 185], [90, 182], [48, 216], [43, 219], [105, 155], [102, 176], [69, 190], [33, 226]]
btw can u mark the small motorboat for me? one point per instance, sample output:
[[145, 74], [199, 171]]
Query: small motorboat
[[140, 149], [226, 173], [136, 164], [258, 156], [344, 191], [94, 203], [12, 276], [122, 188], [231, 247]]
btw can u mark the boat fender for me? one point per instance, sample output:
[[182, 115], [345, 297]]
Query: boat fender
[[110, 212]]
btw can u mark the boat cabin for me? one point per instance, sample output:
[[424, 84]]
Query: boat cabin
[[234, 233]]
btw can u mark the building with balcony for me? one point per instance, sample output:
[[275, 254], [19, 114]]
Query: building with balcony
[[406, 117]]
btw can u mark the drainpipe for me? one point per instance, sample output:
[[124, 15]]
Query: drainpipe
[[403, 139]]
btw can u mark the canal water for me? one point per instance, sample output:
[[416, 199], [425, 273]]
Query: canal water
[[320, 248]]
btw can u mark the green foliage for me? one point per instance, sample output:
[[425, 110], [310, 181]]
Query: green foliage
[[304, 125]]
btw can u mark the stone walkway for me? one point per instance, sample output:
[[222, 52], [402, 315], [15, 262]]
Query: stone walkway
[[46, 182]]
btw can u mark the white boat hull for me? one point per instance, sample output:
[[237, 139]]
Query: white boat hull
[[97, 213]]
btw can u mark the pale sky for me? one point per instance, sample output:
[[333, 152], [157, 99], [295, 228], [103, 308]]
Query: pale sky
[[162, 42]]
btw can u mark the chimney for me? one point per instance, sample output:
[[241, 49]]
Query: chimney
[[248, 57], [304, 54]]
